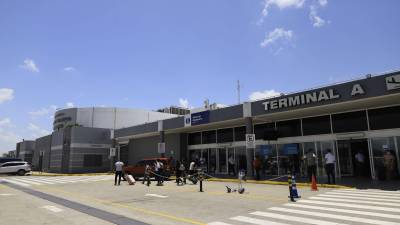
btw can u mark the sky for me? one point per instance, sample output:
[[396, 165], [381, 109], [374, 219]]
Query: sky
[[152, 54]]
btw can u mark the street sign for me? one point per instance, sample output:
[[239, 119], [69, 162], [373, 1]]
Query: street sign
[[112, 152], [250, 141], [161, 147]]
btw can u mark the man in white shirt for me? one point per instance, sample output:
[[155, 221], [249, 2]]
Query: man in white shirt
[[330, 166], [118, 172]]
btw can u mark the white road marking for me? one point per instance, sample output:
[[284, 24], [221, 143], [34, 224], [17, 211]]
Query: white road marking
[[356, 201], [365, 213], [25, 181], [156, 195], [6, 194], [294, 218], [255, 221], [52, 208], [218, 223], [333, 216], [360, 198], [392, 193], [361, 195], [16, 182], [357, 206]]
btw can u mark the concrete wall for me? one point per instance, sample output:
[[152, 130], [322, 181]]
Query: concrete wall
[[89, 141], [43, 145], [108, 118], [147, 147], [56, 151]]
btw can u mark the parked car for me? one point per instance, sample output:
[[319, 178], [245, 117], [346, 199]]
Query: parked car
[[15, 167], [138, 169], [4, 160]]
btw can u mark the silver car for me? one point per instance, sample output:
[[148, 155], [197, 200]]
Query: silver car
[[16, 167]]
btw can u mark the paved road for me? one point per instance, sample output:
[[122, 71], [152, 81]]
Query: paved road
[[171, 204]]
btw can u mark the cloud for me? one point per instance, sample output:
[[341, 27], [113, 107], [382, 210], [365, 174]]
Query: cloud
[[36, 131], [43, 111], [184, 103], [69, 69], [8, 139], [6, 122], [263, 94], [277, 35], [281, 4], [30, 65], [323, 2], [315, 19], [6, 94], [69, 105]]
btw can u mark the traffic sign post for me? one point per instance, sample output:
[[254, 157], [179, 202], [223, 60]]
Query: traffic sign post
[[250, 141]]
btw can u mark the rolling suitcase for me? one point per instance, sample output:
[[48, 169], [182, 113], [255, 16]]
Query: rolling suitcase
[[130, 179]]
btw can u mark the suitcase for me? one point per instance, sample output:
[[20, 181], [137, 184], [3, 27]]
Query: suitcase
[[130, 179]]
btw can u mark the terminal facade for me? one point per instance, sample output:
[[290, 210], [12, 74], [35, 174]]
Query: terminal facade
[[356, 117]]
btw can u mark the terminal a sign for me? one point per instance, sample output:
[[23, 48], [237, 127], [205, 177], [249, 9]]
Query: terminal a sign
[[309, 98]]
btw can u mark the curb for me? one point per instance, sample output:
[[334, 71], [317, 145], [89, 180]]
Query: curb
[[282, 183], [67, 174]]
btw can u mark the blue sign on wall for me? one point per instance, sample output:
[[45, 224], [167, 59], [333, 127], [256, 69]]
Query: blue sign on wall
[[200, 118]]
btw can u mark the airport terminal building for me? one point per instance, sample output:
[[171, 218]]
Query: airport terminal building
[[359, 116]]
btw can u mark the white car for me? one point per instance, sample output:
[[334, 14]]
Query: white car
[[16, 167]]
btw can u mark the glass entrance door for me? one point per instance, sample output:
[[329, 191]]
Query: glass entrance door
[[345, 159], [222, 160]]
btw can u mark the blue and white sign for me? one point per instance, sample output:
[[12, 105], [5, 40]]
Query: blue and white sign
[[290, 149], [188, 120], [200, 118]]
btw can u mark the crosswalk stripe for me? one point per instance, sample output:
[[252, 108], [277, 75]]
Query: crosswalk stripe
[[365, 213], [255, 221], [25, 181], [333, 216], [218, 223], [294, 218], [357, 206], [393, 193], [359, 197], [16, 182], [356, 201], [38, 180], [361, 194]]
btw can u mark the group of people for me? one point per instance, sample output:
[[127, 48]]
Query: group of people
[[310, 160]]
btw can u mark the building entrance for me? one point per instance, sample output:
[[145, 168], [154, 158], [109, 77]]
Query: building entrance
[[354, 158]]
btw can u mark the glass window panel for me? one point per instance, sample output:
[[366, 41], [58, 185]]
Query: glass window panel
[[289, 158], [384, 158], [225, 135], [384, 118], [222, 160], [316, 125], [240, 133], [194, 138], [349, 122], [289, 128], [209, 137], [260, 129], [269, 159], [212, 166], [240, 158]]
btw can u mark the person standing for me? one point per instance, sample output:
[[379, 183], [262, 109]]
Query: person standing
[[157, 171], [310, 160], [118, 172], [360, 162], [257, 167], [182, 171], [330, 166], [146, 177], [192, 168], [231, 165], [389, 163]]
